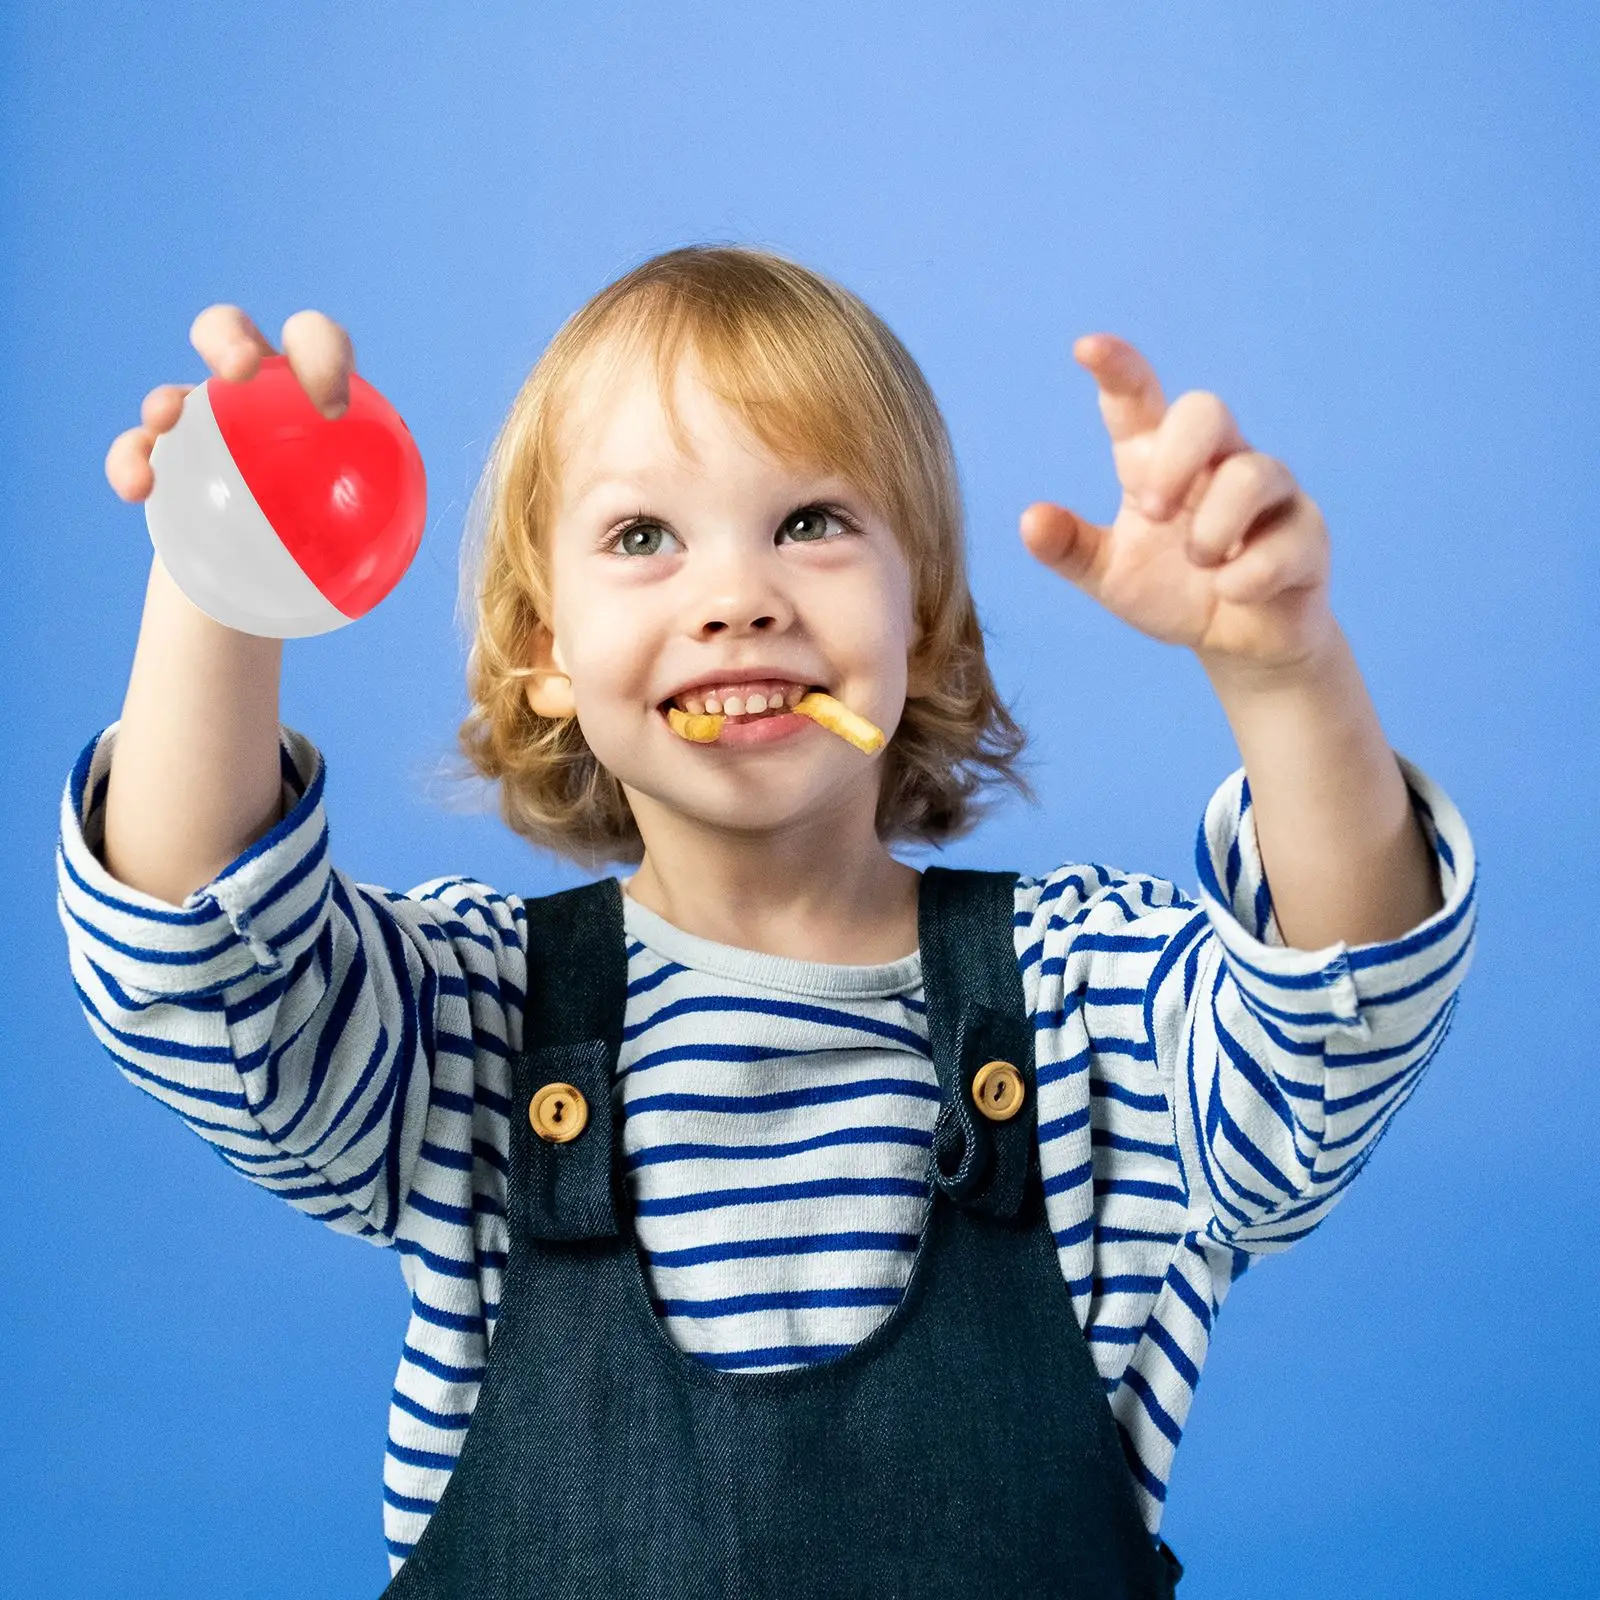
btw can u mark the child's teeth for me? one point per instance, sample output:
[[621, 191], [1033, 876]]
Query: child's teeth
[[742, 705]]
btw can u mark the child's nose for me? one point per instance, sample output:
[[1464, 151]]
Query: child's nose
[[741, 597], [754, 625]]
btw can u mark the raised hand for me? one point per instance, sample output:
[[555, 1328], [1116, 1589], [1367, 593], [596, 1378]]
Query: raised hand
[[1215, 546], [232, 346]]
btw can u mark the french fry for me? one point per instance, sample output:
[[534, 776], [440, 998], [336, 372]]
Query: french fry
[[698, 730], [823, 709], [837, 718]]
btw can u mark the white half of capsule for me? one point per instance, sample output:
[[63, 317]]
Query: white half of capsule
[[216, 541]]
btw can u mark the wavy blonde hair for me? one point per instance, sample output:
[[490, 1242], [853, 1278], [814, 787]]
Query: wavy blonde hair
[[820, 380]]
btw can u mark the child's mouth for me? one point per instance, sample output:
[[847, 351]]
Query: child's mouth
[[741, 704], [729, 721], [723, 718]]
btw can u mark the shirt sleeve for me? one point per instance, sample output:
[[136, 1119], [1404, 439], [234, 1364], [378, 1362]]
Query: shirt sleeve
[[310, 1028], [1288, 1065]]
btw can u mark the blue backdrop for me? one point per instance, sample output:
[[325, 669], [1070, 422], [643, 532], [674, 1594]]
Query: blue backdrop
[[1371, 228]]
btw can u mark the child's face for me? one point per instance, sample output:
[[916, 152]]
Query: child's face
[[732, 570]]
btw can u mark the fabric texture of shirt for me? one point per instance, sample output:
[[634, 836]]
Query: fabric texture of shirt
[[1205, 1094]]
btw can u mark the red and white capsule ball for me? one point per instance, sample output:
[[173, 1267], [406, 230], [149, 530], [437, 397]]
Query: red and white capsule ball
[[277, 521]]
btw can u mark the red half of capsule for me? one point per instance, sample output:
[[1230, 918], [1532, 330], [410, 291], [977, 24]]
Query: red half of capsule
[[347, 496]]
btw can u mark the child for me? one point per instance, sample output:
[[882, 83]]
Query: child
[[781, 1220]]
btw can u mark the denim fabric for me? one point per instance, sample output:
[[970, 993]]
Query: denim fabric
[[963, 1448]]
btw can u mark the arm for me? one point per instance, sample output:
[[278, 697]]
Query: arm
[[341, 1045], [1286, 1065], [1216, 547], [196, 778], [315, 1031], [1294, 1020], [1343, 850]]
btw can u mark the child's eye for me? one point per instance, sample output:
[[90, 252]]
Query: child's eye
[[811, 522], [639, 538], [808, 525]]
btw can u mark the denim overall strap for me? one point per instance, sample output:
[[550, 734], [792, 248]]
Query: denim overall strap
[[962, 1449], [572, 1031], [964, 923]]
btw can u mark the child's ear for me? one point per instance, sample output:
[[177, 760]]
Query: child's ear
[[549, 689]]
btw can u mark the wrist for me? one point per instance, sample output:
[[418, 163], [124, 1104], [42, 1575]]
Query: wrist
[[1314, 712], [1323, 659]]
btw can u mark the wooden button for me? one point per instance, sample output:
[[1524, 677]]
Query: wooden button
[[997, 1090], [558, 1112]]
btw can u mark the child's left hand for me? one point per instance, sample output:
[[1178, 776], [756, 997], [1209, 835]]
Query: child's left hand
[[1215, 546]]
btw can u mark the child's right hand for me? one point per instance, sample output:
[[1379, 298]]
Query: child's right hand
[[320, 356]]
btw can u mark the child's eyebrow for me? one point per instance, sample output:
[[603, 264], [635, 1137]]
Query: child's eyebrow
[[821, 485], [593, 485]]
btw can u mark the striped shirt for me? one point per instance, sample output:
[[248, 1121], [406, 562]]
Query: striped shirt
[[1204, 1094]]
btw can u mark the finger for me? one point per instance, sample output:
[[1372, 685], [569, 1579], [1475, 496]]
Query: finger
[[128, 464], [229, 342], [1244, 490], [1065, 543], [163, 406], [322, 358], [1288, 555], [1197, 431], [1130, 393]]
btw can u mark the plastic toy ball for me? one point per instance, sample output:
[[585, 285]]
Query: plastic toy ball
[[275, 520]]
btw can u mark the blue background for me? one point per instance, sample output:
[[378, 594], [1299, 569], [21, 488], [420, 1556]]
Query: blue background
[[1371, 228]]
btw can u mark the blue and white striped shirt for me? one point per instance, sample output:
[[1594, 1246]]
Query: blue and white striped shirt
[[1205, 1094]]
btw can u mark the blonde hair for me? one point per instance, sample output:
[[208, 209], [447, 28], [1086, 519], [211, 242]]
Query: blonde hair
[[819, 379]]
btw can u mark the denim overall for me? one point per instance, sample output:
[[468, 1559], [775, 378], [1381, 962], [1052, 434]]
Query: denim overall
[[963, 1448]]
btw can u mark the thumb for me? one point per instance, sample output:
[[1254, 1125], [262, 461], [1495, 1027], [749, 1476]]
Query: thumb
[[1065, 543]]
